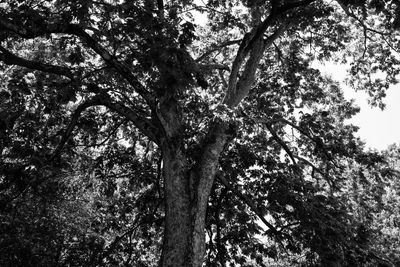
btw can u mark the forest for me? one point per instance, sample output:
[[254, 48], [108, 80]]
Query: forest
[[190, 133]]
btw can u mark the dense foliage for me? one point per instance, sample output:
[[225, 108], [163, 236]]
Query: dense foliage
[[115, 114]]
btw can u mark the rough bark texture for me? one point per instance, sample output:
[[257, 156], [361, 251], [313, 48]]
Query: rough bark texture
[[186, 196], [203, 180], [178, 228], [186, 190]]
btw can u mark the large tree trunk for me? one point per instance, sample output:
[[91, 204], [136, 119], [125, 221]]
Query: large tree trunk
[[186, 198], [187, 191], [178, 222], [184, 214]]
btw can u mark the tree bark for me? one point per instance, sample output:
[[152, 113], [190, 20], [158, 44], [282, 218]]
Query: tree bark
[[178, 228], [186, 198]]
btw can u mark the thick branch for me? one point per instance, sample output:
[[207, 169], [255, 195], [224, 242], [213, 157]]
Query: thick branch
[[239, 88], [73, 122], [311, 165], [216, 48], [219, 132], [136, 117], [250, 44], [160, 6], [10, 59], [76, 30], [207, 166], [280, 142], [292, 5], [123, 70], [214, 67]]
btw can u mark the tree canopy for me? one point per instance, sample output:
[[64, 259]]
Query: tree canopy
[[190, 133]]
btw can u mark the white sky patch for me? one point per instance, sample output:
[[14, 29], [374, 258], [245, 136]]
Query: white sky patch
[[199, 18], [377, 128]]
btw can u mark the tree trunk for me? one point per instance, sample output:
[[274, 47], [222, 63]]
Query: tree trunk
[[184, 237], [185, 214], [186, 199], [178, 222], [183, 244]]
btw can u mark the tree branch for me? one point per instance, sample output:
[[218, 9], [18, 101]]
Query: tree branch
[[221, 76], [280, 142], [113, 131], [214, 67], [220, 132], [123, 70], [139, 221], [291, 5], [160, 6], [352, 15], [138, 118], [216, 48], [78, 31], [311, 165], [316, 140], [11, 59], [250, 44], [74, 120], [254, 44]]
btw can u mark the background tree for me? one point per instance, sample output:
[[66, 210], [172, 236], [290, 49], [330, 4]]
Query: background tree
[[149, 110]]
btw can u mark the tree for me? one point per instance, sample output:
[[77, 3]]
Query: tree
[[214, 102]]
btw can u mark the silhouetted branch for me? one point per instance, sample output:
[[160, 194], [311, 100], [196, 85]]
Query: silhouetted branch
[[74, 120], [292, 5], [11, 59], [113, 131], [217, 48], [280, 142], [214, 67], [77, 30], [349, 13], [137, 117]]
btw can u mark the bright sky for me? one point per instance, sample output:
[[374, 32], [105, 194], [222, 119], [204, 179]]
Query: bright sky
[[377, 128]]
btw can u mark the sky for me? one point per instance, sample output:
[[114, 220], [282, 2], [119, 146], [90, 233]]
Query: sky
[[378, 128]]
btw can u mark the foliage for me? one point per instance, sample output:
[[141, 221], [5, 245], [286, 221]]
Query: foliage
[[98, 97]]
